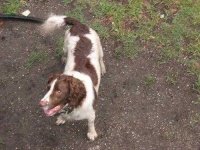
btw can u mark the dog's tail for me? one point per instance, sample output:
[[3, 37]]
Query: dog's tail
[[54, 22]]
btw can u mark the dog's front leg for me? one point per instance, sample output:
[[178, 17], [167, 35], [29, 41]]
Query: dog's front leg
[[60, 120], [92, 134]]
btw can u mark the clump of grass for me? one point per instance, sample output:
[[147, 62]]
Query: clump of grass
[[172, 78], [197, 84], [36, 57], [11, 6], [149, 81], [168, 135], [1, 142], [195, 119], [2, 82], [196, 101], [194, 66]]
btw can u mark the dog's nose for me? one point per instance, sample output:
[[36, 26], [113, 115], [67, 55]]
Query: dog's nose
[[43, 103]]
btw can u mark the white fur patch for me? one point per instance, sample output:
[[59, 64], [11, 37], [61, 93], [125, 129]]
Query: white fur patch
[[52, 23], [46, 98], [70, 45]]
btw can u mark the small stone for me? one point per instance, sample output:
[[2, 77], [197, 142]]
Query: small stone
[[26, 13], [162, 16]]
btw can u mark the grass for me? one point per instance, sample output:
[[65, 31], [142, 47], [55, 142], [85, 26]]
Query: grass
[[172, 28], [195, 119], [36, 57], [149, 81], [77, 12], [66, 2], [107, 18], [11, 6], [101, 30], [59, 45], [162, 24], [118, 15]]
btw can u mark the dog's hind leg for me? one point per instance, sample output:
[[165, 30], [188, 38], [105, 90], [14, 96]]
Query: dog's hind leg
[[103, 68], [100, 49]]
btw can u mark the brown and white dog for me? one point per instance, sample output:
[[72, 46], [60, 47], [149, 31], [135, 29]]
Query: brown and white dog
[[72, 94]]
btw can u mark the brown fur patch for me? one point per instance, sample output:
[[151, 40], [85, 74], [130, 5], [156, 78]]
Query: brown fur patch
[[82, 50], [67, 90], [77, 28]]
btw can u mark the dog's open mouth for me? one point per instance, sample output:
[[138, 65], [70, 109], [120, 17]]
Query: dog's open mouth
[[52, 111]]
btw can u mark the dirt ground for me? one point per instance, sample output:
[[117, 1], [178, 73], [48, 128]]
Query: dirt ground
[[130, 115]]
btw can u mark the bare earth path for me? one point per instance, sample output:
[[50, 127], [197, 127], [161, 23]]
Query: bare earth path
[[130, 115]]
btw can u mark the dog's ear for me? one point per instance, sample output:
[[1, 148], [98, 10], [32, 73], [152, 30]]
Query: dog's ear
[[63, 77], [52, 77], [77, 92]]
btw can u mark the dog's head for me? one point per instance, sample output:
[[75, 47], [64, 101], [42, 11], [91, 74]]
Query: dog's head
[[62, 90]]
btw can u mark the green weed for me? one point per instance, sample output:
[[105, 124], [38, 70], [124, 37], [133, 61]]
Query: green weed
[[36, 57], [172, 78]]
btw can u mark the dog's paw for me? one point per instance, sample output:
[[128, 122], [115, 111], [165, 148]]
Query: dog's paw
[[60, 120], [103, 69], [92, 135]]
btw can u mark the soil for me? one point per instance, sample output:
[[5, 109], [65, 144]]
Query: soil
[[130, 115]]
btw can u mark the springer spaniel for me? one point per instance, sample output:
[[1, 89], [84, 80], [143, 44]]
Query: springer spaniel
[[72, 94]]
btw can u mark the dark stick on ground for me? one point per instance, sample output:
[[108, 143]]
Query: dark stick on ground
[[20, 18]]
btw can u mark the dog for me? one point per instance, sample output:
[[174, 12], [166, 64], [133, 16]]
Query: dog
[[71, 94]]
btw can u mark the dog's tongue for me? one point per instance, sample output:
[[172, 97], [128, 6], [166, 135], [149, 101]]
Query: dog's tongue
[[52, 111]]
